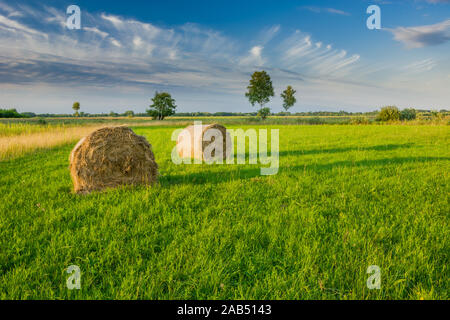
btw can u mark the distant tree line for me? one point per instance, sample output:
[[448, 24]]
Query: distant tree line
[[211, 114], [405, 114], [11, 113]]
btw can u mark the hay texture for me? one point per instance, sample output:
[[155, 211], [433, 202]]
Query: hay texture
[[110, 157], [194, 140]]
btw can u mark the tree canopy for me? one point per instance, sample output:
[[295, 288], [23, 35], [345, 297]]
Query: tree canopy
[[390, 113], [260, 89], [288, 96], [76, 107], [10, 113], [163, 106]]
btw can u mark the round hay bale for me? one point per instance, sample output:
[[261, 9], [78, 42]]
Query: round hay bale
[[193, 140], [110, 157]]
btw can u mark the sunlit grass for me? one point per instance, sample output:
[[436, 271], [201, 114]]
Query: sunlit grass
[[16, 128], [345, 197], [19, 139]]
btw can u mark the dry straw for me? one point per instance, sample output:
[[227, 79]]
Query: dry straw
[[110, 157], [16, 145], [191, 144]]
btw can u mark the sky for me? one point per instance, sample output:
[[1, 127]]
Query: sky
[[204, 52]]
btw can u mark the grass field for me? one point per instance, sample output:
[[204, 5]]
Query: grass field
[[345, 198]]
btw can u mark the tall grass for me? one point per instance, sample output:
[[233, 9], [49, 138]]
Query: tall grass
[[16, 128], [19, 139]]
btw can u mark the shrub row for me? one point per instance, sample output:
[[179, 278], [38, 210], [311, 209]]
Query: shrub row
[[10, 113]]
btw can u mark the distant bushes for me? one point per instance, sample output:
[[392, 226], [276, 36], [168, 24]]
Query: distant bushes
[[129, 114], [264, 113], [390, 113], [436, 115], [28, 114], [315, 120], [359, 120], [10, 113], [408, 114], [42, 122], [393, 114]]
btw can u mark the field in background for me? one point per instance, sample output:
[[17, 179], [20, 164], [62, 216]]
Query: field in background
[[148, 121], [22, 136], [231, 120], [19, 139], [346, 197]]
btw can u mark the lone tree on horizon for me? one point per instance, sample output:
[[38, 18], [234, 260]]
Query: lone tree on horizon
[[129, 113], [76, 107], [163, 106], [288, 96], [260, 90]]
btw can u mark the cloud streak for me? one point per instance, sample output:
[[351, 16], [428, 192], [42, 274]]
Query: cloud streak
[[325, 10], [438, 1], [421, 66], [422, 36]]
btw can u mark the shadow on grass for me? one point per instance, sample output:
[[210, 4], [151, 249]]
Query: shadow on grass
[[366, 163], [208, 176], [387, 147]]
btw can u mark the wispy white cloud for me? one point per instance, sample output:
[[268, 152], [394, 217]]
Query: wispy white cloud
[[420, 66], [438, 1], [269, 34], [55, 16], [114, 20], [116, 43], [254, 57], [421, 36], [96, 31], [10, 24], [316, 9], [301, 53]]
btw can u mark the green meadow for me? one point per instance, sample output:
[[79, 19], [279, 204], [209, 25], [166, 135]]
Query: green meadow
[[346, 197]]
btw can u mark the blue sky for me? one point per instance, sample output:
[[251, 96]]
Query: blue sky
[[203, 52]]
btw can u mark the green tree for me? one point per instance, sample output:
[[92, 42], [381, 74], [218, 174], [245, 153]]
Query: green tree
[[390, 113], [76, 107], [264, 113], [10, 113], [408, 114], [288, 96], [129, 113], [163, 106], [260, 89]]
